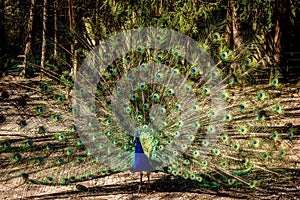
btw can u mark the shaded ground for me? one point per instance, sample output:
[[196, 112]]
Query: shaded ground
[[125, 185]]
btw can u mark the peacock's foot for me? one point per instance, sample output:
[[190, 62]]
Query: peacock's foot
[[139, 189]]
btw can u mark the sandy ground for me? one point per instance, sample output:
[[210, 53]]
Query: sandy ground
[[125, 185]]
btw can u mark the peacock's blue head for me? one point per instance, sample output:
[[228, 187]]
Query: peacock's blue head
[[136, 134]]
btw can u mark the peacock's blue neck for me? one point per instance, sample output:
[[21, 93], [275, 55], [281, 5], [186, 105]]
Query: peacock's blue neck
[[138, 146]]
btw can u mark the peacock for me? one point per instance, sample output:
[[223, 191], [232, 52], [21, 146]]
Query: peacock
[[153, 100]]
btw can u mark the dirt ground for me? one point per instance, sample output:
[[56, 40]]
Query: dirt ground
[[125, 185]]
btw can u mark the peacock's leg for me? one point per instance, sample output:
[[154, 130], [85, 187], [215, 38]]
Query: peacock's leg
[[141, 180], [148, 175]]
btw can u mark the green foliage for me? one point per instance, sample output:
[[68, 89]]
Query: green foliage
[[197, 19]]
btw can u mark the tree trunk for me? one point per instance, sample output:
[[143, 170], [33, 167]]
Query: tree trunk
[[237, 39], [281, 31], [3, 42], [55, 28], [236, 26], [28, 49], [2, 30], [228, 35], [44, 43], [97, 31], [72, 25]]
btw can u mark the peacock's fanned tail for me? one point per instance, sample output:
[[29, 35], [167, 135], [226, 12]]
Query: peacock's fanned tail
[[242, 143]]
